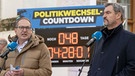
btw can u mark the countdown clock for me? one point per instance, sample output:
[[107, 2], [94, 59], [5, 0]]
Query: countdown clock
[[67, 45]]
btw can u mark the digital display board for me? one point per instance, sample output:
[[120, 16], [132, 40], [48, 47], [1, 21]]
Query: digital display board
[[67, 45]]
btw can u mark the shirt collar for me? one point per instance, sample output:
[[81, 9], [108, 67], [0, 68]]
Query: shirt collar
[[20, 47]]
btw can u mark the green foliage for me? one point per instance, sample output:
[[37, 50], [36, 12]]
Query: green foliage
[[7, 24]]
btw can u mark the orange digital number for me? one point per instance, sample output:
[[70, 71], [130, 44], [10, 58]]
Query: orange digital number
[[64, 52], [61, 38], [88, 52], [51, 52], [68, 38], [68, 52], [79, 52], [71, 53], [57, 52], [74, 38]]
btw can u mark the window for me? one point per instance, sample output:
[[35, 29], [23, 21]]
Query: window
[[101, 2]]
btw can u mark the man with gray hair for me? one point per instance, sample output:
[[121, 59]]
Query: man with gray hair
[[3, 43], [114, 53]]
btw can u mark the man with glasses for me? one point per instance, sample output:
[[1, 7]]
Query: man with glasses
[[3, 43], [31, 57]]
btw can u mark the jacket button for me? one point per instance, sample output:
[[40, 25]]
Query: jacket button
[[102, 52], [99, 68]]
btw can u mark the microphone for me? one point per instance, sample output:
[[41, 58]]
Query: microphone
[[95, 36], [10, 47]]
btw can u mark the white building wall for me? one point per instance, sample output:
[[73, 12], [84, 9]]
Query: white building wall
[[9, 7]]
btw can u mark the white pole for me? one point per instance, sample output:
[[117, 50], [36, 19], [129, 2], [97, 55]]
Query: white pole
[[112, 1], [92, 2]]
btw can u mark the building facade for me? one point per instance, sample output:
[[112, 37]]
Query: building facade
[[8, 9]]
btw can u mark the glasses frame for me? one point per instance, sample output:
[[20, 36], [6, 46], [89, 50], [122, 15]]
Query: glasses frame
[[24, 27]]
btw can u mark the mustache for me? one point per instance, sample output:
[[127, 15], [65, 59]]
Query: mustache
[[105, 19]]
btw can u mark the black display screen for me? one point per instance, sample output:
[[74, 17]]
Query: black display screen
[[67, 45]]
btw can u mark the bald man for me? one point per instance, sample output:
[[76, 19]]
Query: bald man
[[3, 43]]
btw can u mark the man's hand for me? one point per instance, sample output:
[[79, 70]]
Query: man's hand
[[18, 72]]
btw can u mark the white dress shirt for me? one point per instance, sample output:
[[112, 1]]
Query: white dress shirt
[[20, 47]]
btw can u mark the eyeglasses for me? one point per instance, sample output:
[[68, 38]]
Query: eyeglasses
[[24, 27]]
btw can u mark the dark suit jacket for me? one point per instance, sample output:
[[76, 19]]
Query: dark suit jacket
[[114, 54]]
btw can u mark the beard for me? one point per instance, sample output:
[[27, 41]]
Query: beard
[[106, 22], [109, 24]]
